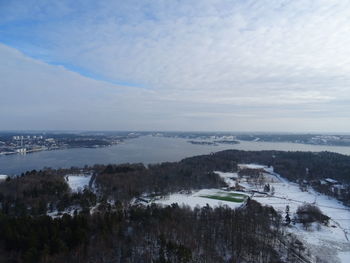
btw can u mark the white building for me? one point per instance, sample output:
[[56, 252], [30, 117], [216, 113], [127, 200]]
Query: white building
[[22, 150]]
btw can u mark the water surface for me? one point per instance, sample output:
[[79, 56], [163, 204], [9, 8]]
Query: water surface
[[145, 149]]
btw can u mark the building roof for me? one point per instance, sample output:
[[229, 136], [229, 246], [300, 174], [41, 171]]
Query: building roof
[[331, 181]]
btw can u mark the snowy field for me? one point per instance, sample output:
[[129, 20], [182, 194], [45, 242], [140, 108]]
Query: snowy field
[[198, 199], [77, 182], [331, 243]]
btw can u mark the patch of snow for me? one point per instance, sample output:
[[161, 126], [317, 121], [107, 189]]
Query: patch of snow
[[3, 176], [78, 182], [252, 166], [323, 182], [255, 166], [70, 211], [229, 178]]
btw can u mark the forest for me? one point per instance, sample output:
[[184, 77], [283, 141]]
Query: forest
[[103, 225], [150, 234]]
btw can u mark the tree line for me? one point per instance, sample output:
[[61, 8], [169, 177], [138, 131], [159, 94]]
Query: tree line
[[149, 234]]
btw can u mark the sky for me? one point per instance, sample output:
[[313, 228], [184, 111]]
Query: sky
[[209, 65]]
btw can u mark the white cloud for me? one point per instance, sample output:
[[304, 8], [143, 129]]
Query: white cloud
[[256, 46], [236, 60], [35, 95]]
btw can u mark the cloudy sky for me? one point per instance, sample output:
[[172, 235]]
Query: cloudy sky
[[231, 65]]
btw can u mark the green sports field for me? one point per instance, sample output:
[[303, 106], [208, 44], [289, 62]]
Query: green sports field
[[227, 196]]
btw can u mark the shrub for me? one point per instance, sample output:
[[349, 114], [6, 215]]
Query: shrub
[[309, 213]]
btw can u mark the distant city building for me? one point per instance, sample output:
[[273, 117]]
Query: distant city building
[[22, 150]]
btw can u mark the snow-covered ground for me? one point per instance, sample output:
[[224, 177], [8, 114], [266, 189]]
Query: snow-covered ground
[[228, 177], [331, 243], [70, 211], [197, 199], [251, 166], [344, 256], [327, 244], [3, 177], [77, 182]]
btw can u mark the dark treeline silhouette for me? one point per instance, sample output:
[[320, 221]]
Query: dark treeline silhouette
[[31, 193], [149, 234], [123, 182]]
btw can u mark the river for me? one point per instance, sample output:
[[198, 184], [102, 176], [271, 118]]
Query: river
[[145, 149]]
